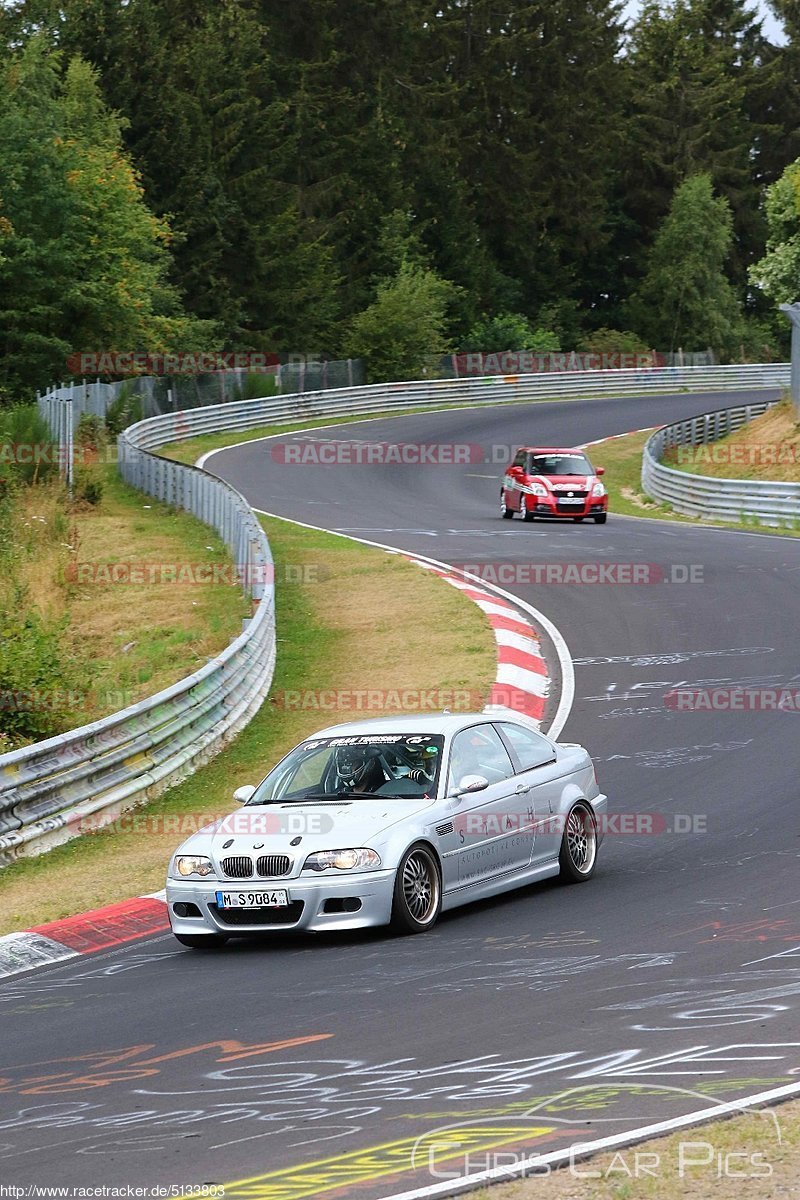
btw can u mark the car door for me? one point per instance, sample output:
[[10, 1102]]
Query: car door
[[537, 770], [515, 480], [493, 826]]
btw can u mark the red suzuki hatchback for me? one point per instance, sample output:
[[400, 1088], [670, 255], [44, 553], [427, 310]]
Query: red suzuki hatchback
[[553, 482]]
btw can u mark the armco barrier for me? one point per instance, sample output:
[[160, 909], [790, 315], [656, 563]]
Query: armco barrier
[[384, 397], [97, 771], [769, 503]]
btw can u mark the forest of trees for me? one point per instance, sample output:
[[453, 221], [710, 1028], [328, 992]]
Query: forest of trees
[[393, 177]]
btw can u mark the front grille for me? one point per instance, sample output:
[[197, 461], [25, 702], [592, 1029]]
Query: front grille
[[560, 501], [272, 865], [288, 914], [238, 867]]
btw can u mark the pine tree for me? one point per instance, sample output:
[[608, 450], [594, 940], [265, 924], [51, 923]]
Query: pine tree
[[693, 69]]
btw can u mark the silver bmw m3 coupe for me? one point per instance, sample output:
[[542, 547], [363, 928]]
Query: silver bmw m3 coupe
[[390, 821]]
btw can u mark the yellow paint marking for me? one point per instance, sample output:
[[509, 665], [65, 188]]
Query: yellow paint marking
[[376, 1162]]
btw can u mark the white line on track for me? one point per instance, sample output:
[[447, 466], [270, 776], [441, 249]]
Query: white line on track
[[588, 1149]]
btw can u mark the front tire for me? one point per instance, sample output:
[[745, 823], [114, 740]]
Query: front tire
[[505, 512], [578, 854], [201, 941], [417, 891], [601, 518], [523, 510]]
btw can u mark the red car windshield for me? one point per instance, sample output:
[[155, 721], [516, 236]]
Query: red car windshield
[[560, 464]]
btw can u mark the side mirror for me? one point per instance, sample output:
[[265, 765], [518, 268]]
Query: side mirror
[[469, 784], [599, 470], [243, 794]]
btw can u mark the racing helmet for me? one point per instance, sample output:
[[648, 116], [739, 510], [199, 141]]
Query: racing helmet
[[355, 764]]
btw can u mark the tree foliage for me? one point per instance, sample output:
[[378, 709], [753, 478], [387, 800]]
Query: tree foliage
[[405, 326], [685, 299], [83, 262], [262, 166], [509, 331], [778, 272]]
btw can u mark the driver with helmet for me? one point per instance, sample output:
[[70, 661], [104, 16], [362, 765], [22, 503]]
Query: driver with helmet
[[358, 768]]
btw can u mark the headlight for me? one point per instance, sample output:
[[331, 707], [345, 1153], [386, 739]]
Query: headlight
[[192, 864], [343, 860], [598, 490], [538, 489]]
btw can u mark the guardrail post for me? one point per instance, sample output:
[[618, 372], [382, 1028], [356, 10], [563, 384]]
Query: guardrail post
[[793, 314]]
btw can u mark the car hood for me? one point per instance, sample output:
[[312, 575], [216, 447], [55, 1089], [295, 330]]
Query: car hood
[[276, 828], [579, 482]]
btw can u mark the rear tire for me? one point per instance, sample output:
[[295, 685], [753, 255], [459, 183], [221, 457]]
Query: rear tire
[[417, 891], [578, 854], [201, 941], [505, 512], [523, 510], [601, 518]]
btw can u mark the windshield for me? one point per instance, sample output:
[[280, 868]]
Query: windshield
[[560, 464], [355, 768]]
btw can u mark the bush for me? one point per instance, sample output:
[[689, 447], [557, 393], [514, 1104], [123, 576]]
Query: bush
[[761, 339], [91, 437], [404, 327], [26, 446], [509, 331], [126, 410], [255, 385], [88, 485], [35, 679], [613, 341]]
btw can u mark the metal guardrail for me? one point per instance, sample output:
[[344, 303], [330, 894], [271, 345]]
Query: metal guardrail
[[384, 397], [769, 503], [91, 774]]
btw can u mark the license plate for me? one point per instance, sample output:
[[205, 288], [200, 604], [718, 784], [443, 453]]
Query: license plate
[[570, 500], [271, 899]]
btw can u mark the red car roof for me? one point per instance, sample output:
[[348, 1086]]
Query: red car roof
[[552, 450]]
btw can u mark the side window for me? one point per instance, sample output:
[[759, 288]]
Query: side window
[[521, 460], [479, 751], [531, 748]]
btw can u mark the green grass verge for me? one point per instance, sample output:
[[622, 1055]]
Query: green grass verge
[[622, 458], [358, 627]]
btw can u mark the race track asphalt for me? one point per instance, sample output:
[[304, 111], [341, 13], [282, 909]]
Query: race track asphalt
[[306, 1065]]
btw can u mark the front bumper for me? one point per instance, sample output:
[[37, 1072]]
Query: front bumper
[[358, 901], [547, 507]]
